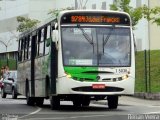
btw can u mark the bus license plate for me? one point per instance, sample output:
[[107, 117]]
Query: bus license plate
[[98, 86]]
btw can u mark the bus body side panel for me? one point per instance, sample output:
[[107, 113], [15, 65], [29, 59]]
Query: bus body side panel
[[21, 79], [23, 75], [41, 71]]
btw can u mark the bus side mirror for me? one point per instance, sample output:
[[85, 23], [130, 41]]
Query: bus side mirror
[[55, 37]]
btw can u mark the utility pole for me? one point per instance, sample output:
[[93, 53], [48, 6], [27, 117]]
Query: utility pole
[[149, 53]]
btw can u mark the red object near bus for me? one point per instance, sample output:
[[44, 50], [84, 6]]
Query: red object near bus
[[1, 84]]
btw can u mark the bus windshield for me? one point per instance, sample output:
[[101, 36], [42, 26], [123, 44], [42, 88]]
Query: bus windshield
[[96, 46]]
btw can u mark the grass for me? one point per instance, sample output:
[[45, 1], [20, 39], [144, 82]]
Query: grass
[[154, 72]]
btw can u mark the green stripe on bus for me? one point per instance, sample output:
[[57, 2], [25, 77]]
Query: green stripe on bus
[[82, 73]]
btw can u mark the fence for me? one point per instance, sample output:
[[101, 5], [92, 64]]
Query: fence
[[148, 71]]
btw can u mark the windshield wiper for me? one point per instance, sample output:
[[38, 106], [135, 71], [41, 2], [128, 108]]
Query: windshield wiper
[[105, 40], [108, 36], [85, 35]]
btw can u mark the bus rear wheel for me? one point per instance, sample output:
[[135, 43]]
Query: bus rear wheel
[[112, 102], [30, 100]]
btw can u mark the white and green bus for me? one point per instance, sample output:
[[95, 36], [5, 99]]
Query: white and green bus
[[82, 55]]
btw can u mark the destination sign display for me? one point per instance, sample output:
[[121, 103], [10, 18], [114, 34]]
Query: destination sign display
[[95, 18]]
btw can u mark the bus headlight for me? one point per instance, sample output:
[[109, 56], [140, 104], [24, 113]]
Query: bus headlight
[[68, 76], [124, 77]]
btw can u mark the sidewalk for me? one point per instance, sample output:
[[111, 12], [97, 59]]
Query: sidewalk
[[150, 96], [131, 100]]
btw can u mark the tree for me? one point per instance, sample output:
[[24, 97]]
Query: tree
[[26, 23], [151, 14], [137, 13], [123, 5], [55, 12]]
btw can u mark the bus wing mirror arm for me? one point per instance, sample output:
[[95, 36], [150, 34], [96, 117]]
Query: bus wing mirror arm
[[55, 37]]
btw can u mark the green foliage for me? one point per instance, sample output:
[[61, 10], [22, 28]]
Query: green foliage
[[151, 14], [26, 23], [12, 63], [157, 21], [55, 12], [114, 7], [123, 5]]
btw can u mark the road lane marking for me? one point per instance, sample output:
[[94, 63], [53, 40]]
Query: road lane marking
[[64, 118], [32, 113]]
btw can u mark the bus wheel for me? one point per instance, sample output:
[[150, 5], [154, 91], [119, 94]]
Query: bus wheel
[[39, 101], [77, 101], [86, 101], [14, 95], [112, 102], [30, 100], [55, 102], [3, 94]]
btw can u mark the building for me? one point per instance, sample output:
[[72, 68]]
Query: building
[[154, 30], [10, 9]]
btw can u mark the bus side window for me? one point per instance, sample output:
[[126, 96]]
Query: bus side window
[[41, 43], [48, 38], [20, 51], [38, 41], [26, 49], [29, 48]]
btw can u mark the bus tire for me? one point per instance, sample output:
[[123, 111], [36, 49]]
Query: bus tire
[[86, 101], [30, 100], [54, 102], [14, 94], [112, 102], [39, 101], [47, 87], [3, 94], [77, 101]]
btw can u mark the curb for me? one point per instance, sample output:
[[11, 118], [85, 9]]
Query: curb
[[149, 96]]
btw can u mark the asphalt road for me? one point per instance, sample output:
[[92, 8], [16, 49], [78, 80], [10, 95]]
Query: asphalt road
[[129, 109]]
